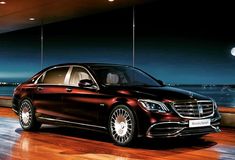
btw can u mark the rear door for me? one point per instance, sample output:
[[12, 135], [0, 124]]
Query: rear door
[[48, 93]]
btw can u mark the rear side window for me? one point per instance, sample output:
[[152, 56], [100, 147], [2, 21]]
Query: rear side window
[[54, 76]]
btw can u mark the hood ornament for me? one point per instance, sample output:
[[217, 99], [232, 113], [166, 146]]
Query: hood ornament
[[200, 109]]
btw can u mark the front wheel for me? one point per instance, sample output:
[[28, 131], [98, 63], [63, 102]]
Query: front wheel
[[122, 125], [27, 116]]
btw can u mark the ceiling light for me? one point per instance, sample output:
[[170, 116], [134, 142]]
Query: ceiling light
[[31, 19], [110, 0], [2, 2]]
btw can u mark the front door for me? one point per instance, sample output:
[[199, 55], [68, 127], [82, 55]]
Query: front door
[[81, 104]]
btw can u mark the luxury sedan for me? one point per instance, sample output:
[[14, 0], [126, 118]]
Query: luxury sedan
[[120, 100]]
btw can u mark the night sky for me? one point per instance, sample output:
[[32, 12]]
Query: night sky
[[183, 42]]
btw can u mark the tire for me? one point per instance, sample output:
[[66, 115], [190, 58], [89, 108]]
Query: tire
[[27, 117], [122, 126], [196, 137]]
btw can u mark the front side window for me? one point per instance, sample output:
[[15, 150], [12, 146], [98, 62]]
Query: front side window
[[77, 75], [54, 76]]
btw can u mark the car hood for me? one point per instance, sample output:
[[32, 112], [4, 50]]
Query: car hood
[[157, 93]]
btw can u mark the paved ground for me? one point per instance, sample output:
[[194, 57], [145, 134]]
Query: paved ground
[[55, 143]]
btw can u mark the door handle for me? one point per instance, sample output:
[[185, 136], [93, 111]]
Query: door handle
[[39, 88], [68, 89]]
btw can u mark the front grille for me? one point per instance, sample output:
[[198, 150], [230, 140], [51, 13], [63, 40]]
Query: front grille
[[194, 109]]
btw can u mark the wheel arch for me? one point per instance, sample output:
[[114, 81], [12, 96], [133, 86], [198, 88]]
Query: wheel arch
[[25, 98]]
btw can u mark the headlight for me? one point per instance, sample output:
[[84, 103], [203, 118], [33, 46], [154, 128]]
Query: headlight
[[152, 105]]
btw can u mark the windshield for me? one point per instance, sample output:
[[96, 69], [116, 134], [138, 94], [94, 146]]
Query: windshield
[[123, 76]]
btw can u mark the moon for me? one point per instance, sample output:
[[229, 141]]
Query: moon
[[233, 51]]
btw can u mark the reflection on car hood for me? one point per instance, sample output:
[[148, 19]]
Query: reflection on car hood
[[157, 93]]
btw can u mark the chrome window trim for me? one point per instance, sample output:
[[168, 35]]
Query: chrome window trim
[[44, 73], [67, 77], [197, 101]]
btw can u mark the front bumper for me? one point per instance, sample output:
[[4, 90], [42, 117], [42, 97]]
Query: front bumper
[[180, 129]]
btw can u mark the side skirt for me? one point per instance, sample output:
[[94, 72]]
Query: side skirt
[[72, 124]]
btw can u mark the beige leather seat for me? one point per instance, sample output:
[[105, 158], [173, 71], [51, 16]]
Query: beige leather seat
[[77, 77], [112, 78], [83, 75]]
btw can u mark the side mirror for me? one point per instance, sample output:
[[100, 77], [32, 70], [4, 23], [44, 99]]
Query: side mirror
[[85, 83], [161, 82]]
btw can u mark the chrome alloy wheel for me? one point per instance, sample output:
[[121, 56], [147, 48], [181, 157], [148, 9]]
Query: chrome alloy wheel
[[121, 125], [25, 113]]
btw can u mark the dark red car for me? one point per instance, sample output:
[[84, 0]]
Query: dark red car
[[121, 100]]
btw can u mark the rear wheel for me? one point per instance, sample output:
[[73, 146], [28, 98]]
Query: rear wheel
[[27, 116], [122, 125]]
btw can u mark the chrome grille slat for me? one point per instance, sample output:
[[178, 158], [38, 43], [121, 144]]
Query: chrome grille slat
[[190, 109], [188, 113], [206, 109], [194, 109]]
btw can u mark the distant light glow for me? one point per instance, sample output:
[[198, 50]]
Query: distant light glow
[[110, 0], [31, 19], [10, 74], [2, 2], [233, 51]]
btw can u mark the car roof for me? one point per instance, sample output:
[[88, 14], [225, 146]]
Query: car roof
[[87, 64]]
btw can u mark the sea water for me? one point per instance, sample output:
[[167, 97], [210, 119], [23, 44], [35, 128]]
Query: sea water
[[6, 90], [224, 95]]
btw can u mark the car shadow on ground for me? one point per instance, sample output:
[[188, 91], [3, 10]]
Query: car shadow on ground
[[141, 143], [173, 143]]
